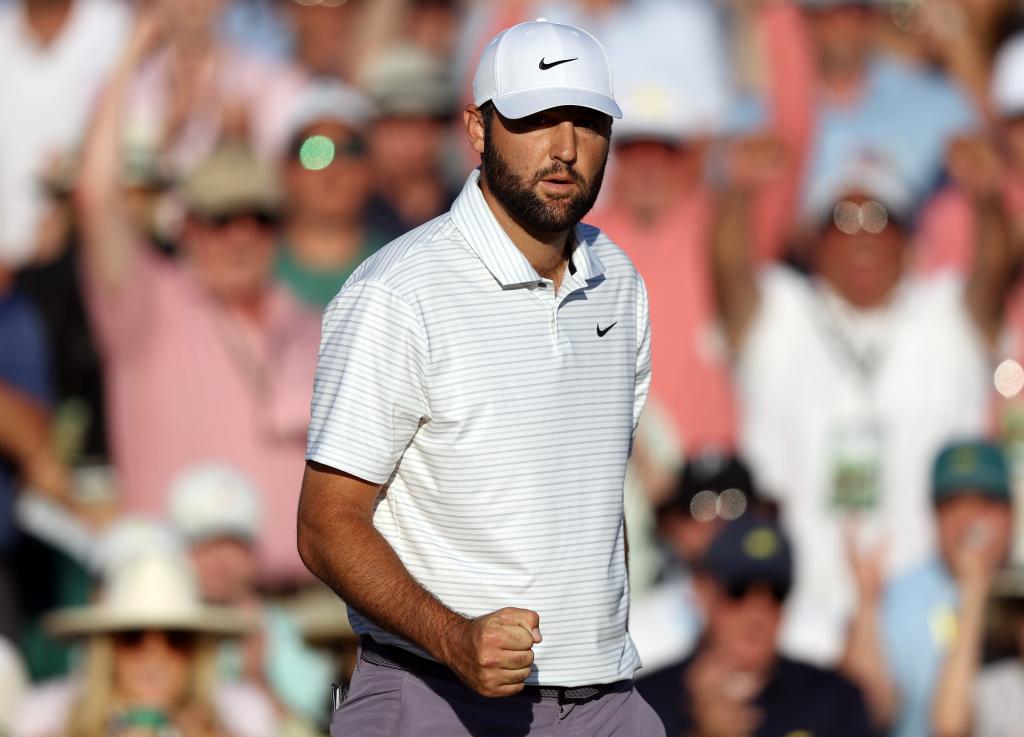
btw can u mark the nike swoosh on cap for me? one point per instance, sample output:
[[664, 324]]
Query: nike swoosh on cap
[[545, 65]]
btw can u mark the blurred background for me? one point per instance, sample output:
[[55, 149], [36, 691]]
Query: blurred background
[[824, 197]]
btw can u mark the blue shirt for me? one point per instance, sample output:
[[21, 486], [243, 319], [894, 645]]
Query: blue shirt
[[919, 623], [24, 367], [907, 115]]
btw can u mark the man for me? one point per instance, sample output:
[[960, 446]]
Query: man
[[923, 611], [204, 357], [851, 377], [328, 184], [737, 684], [479, 383], [217, 512]]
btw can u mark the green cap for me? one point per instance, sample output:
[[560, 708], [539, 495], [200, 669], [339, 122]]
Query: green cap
[[971, 467]]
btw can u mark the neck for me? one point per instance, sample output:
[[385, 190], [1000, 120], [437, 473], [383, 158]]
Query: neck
[[547, 252], [46, 18], [324, 243], [843, 82]]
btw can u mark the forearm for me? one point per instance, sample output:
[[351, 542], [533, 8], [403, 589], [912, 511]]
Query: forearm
[[992, 270], [864, 664], [349, 555], [24, 430], [732, 266], [952, 710]]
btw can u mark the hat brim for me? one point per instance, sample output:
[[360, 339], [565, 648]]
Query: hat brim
[[93, 620], [520, 104]]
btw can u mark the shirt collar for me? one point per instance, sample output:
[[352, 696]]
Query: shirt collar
[[473, 217]]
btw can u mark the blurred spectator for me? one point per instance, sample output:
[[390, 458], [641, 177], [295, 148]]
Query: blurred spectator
[[899, 666], [54, 54], [193, 89], [414, 99], [328, 183], [737, 684], [850, 378], [26, 450], [218, 513], [665, 623], [148, 665], [205, 357], [866, 99], [12, 684], [984, 701]]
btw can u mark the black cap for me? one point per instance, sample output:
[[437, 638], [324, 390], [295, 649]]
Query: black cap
[[751, 550], [714, 472]]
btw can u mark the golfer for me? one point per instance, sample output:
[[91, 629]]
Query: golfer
[[478, 385]]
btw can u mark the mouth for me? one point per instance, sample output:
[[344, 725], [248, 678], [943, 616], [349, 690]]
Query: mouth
[[559, 183]]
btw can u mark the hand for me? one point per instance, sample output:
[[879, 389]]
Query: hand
[[975, 166], [974, 559], [867, 565], [756, 161], [492, 654], [150, 32], [721, 699]]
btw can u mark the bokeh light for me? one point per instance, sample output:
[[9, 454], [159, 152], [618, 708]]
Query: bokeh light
[[1009, 378], [317, 152]]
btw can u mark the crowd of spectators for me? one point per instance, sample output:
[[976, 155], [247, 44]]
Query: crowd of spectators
[[825, 199]]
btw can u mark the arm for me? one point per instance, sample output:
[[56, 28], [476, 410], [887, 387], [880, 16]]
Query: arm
[[26, 439], [108, 235], [975, 165], [863, 661], [337, 541]]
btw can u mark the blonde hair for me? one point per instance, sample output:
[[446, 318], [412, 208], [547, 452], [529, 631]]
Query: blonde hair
[[91, 713]]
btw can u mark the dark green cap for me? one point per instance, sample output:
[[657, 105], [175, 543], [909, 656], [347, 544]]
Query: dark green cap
[[971, 467]]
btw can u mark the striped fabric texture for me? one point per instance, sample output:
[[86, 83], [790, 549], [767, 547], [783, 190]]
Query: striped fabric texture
[[498, 416]]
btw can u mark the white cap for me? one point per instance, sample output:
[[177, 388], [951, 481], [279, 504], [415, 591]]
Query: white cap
[[656, 110], [539, 65], [328, 100], [870, 174], [214, 500], [1008, 77]]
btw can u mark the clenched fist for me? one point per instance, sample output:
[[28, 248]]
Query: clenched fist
[[492, 654]]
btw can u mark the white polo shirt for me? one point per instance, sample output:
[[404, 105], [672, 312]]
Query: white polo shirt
[[499, 417]]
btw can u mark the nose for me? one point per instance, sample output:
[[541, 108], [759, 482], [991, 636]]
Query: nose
[[563, 142]]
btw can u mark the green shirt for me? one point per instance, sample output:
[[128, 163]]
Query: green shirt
[[317, 287]]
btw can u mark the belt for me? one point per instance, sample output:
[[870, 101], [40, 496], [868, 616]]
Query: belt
[[389, 656]]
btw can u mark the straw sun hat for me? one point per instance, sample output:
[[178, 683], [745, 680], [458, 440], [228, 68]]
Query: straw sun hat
[[156, 591]]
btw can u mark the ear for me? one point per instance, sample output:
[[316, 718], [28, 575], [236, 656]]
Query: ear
[[474, 121]]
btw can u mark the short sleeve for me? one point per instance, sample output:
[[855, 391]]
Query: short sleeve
[[369, 395], [643, 352]]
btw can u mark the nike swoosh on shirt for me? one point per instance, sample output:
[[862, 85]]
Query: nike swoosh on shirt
[[601, 333], [545, 65]]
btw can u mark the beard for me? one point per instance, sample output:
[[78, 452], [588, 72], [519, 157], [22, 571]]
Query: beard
[[521, 201]]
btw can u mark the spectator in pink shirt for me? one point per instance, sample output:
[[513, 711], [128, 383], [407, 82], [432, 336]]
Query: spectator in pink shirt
[[205, 357]]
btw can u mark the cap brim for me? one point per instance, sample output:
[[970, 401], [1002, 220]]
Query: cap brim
[[88, 620], [520, 104]]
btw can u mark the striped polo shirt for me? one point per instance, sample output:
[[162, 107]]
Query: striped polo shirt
[[498, 416]]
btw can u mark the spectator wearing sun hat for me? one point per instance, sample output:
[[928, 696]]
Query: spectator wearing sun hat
[[217, 512], [148, 620], [737, 683]]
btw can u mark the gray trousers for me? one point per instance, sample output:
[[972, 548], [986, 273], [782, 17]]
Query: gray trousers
[[386, 702]]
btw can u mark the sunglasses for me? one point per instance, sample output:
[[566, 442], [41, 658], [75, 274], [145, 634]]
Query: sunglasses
[[318, 152], [181, 641], [869, 217], [740, 590], [222, 220]]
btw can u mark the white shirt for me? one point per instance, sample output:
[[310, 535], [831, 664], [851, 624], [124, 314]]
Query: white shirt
[[999, 700], [500, 417], [819, 384], [46, 98]]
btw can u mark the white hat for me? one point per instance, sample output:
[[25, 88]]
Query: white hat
[[214, 500], [129, 538], [656, 110], [327, 100], [539, 65], [155, 591], [1008, 77], [870, 174]]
